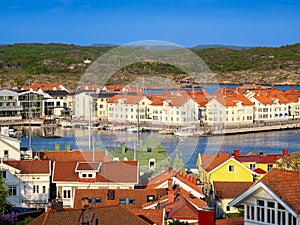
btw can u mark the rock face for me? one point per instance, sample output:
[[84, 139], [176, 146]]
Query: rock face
[[278, 77]]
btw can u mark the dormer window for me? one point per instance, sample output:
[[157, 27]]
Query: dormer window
[[88, 169]]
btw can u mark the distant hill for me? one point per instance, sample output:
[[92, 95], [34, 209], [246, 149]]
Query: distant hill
[[222, 46], [63, 63], [103, 45]]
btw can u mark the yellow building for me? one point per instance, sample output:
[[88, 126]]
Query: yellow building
[[222, 167], [259, 162]]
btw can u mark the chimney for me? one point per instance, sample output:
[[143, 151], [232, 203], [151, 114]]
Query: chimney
[[236, 152], [166, 91], [57, 205], [149, 94], [171, 192], [272, 87], [106, 158], [285, 152], [206, 216], [84, 202], [259, 88]]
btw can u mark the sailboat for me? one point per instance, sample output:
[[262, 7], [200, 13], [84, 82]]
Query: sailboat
[[185, 132]]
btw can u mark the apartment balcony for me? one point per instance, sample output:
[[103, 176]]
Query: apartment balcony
[[11, 108]]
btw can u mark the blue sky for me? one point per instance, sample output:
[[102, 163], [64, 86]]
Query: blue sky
[[184, 22]]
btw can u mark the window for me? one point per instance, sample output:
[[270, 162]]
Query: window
[[231, 168], [35, 188], [90, 175], [270, 166], [3, 173], [260, 211], [67, 194], [127, 201], [281, 215], [150, 198], [271, 212], [250, 212], [12, 190], [84, 175], [5, 154], [252, 166], [94, 200], [44, 189]]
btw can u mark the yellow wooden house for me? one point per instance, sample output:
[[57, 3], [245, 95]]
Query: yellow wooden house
[[222, 167]]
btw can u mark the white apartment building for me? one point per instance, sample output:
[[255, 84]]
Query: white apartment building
[[28, 182], [125, 108], [269, 107], [174, 109], [85, 105]]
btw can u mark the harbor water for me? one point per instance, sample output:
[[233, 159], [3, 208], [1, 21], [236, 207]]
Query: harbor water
[[265, 142]]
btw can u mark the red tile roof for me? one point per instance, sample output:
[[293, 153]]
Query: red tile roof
[[117, 171], [74, 155], [258, 158], [111, 215], [88, 166], [34, 166], [285, 184], [212, 161], [140, 196], [259, 171], [128, 99], [44, 87], [231, 221], [181, 209], [225, 190], [152, 215], [172, 100]]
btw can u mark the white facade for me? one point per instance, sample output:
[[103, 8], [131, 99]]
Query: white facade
[[84, 106], [263, 206], [26, 190], [168, 114], [10, 108], [123, 112], [9, 148]]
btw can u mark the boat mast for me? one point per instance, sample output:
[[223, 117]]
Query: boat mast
[[30, 116], [138, 121]]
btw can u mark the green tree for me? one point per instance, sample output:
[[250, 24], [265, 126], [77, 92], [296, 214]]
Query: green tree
[[291, 162], [4, 203], [177, 222], [24, 222]]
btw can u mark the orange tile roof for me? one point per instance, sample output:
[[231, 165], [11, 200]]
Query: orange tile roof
[[116, 171], [74, 155], [225, 190], [34, 166], [181, 209], [173, 100], [154, 216], [128, 99], [140, 196], [112, 215], [115, 88], [212, 161], [285, 184], [44, 87], [231, 221]]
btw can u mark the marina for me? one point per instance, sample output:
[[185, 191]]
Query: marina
[[77, 138]]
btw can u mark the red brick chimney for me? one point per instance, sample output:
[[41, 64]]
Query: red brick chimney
[[166, 91], [236, 152], [171, 192], [285, 152], [206, 216], [106, 158]]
